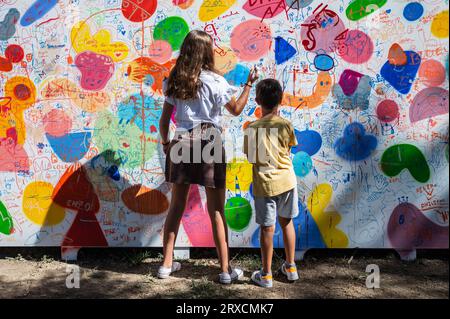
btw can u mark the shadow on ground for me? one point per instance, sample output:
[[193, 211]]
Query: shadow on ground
[[130, 273]]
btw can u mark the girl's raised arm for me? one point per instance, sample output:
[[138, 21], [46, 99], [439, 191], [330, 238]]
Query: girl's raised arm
[[235, 107]]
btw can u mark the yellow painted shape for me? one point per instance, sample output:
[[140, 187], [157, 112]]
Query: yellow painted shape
[[242, 170], [211, 9], [318, 201], [100, 43], [22, 92], [12, 87], [38, 206], [320, 93], [439, 26]]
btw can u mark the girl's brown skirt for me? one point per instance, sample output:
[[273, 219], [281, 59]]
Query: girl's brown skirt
[[208, 174]]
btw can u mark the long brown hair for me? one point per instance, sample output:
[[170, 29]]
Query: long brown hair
[[196, 54]]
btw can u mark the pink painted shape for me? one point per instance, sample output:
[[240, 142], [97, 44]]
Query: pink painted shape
[[356, 47], [265, 9], [251, 40], [321, 30], [428, 103], [96, 70], [408, 228], [160, 51], [57, 123], [349, 81], [432, 73], [196, 222], [178, 2], [13, 157]]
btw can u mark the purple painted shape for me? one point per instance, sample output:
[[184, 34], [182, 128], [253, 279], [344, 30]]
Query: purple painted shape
[[409, 228], [428, 103], [349, 81]]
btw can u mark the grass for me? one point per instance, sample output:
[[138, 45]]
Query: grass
[[136, 258], [47, 259], [252, 262]]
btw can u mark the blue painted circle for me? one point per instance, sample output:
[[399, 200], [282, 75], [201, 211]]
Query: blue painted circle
[[309, 141], [238, 76], [323, 62], [413, 11], [302, 164]]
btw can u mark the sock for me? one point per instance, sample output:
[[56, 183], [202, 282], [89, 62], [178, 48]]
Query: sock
[[288, 265], [265, 274]]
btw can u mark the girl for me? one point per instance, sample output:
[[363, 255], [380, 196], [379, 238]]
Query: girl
[[198, 94]]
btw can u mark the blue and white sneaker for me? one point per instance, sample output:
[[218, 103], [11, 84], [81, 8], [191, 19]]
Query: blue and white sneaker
[[227, 278]]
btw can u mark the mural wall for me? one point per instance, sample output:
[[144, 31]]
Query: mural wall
[[366, 87]]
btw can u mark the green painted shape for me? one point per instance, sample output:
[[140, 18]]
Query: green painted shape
[[238, 213], [6, 222], [124, 140], [359, 9], [405, 156], [172, 30]]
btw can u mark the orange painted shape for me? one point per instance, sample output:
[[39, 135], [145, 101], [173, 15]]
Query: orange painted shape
[[397, 55], [320, 93], [142, 67], [144, 200]]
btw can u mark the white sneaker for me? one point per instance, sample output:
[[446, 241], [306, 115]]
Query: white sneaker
[[290, 272], [227, 278], [165, 272]]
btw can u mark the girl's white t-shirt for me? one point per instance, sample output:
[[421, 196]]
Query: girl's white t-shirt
[[213, 95]]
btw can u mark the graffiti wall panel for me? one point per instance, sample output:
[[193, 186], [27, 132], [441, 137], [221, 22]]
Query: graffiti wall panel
[[365, 85]]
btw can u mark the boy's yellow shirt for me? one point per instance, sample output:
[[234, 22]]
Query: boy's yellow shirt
[[274, 177]]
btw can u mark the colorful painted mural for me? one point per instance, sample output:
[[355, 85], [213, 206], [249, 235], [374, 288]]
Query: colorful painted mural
[[365, 85]]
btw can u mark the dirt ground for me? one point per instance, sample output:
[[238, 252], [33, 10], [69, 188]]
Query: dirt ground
[[130, 273]]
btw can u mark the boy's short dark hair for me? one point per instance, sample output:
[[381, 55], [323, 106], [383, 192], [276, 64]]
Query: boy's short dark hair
[[269, 93]]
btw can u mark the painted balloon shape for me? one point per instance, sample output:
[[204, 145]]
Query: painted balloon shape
[[238, 213], [138, 10], [251, 40], [323, 62], [172, 30], [409, 228], [405, 156], [428, 103]]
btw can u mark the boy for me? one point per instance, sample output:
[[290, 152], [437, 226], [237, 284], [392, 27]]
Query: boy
[[267, 144]]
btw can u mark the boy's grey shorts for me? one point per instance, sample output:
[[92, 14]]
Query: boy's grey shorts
[[284, 205]]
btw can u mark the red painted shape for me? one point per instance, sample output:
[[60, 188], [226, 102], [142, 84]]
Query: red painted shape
[[5, 64], [138, 10], [75, 191], [388, 111], [14, 53], [85, 232]]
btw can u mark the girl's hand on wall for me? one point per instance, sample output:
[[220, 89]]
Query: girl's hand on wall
[[253, 76]]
